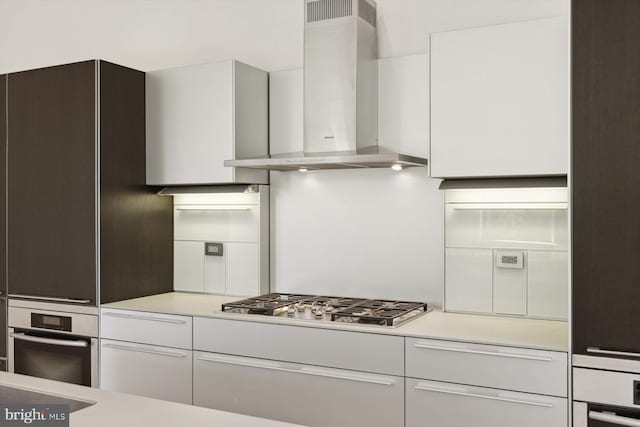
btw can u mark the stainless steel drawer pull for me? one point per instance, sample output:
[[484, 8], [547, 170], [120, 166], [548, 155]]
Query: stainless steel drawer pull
[[598, 350], [482, 396], [50, 341], [212, 208], [612, 418], [150, 318], [484, 353], [303, 370], [69, 300], [144, 350]]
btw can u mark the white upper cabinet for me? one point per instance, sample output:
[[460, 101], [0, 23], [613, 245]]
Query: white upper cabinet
[[500, 100], [199, 116]]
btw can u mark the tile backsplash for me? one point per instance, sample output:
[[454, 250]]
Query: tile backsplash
[[507, 252], [235, 225]]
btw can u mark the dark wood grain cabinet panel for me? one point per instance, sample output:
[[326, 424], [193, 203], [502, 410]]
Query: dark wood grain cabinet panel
[[605, 174], [52, 182], [3, 185], [80, 217], [3, 327], [3, 217], [136, 225]]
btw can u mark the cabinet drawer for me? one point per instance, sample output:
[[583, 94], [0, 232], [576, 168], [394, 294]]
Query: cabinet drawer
[[510, 368], [454, 405], [323, 347], [300, 394], [146, 328], [158, 372]]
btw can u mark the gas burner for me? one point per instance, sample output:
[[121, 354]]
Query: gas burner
[[386, 313]]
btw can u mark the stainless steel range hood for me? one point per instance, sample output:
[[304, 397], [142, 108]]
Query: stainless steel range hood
[[340, 93]]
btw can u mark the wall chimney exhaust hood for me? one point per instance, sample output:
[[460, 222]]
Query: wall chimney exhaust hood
[[340, 94]]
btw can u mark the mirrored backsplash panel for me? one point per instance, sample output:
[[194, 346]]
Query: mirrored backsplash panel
[[507, 252]]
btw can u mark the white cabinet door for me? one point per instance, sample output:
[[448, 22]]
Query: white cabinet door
[[166, 330], [300, 394], [158, 372], [510, 368], [199, 116], [500, 100], [383, 354], [452, 405]]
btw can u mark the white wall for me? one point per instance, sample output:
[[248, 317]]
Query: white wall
[[154, 34], [374, 233]]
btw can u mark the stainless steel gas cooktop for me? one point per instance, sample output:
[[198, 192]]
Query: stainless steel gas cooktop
[[387, 313]]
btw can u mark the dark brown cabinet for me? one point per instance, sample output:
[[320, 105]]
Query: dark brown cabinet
[[52, 176], [3, 206], [80, 218], [3, 327], [606, 176]]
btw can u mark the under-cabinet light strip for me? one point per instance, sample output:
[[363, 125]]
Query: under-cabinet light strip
[[213, 208], [509, 206]]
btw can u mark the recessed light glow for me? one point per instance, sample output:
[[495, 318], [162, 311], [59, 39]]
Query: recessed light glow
[[396, 167], [302, 170]]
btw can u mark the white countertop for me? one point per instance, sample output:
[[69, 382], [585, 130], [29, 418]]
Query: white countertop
[[496, 330], [117, 409]]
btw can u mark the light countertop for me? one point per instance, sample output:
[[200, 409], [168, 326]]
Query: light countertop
[[181, 303], [117, 409], [496, 330]]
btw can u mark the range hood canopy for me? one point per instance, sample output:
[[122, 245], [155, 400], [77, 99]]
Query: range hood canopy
[[377, 158], [340, 94]]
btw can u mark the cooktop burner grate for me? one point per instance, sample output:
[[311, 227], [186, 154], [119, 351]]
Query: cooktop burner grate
[[267, 305], [380, 312]]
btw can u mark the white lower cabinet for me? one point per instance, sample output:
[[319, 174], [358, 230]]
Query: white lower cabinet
[[507, 368], [159, 372], [296, 393], [439, 404]]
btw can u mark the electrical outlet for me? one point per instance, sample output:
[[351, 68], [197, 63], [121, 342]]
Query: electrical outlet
[[213, 249]]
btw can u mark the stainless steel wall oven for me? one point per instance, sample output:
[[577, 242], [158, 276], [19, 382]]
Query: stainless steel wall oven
[[53, 341]]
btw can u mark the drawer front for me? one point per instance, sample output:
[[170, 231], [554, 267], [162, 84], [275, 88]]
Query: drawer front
[[382, 354], [452, 405], [605, 387], [159, 372], [534, 371], [299, 394], [146, 328]]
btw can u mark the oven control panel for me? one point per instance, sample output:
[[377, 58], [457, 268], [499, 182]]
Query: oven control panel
[[49, 321]]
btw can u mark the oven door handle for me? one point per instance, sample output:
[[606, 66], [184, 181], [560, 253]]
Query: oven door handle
[[612, 418], [599, 350], [52, 341]]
